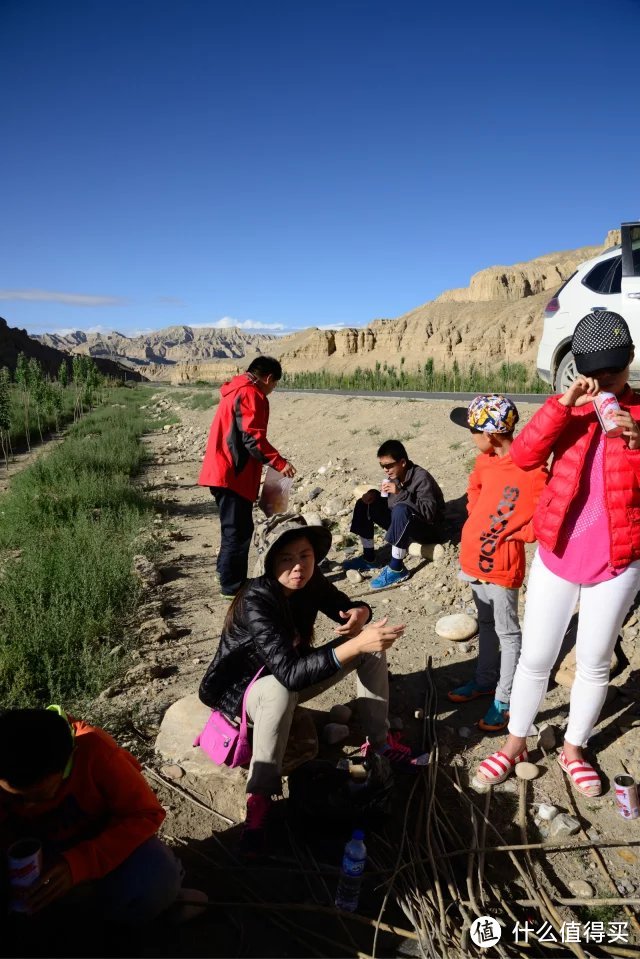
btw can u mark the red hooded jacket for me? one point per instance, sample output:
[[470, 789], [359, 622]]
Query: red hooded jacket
[[567, 432], [238, 447]]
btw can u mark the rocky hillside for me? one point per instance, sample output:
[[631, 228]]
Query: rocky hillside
[[14, 341], [164, 348]]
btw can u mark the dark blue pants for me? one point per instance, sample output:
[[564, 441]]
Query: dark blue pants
[[236, 529], [402, 523]]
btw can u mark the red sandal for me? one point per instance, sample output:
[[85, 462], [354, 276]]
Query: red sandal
[[497, 767], [583, 776]]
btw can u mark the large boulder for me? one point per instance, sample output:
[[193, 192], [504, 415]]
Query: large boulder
[[221, 787], [457, 627]]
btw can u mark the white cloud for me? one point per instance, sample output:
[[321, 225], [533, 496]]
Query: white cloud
[[228, 323], [70, 299]]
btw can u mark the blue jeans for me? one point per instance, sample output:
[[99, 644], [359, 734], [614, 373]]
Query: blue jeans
[[141, 887], [402, 523], [133, 894]]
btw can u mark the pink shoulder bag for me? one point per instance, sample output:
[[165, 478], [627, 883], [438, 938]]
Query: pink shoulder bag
[[224, 742]]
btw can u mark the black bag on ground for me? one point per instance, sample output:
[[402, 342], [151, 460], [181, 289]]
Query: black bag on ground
[[320, 793]]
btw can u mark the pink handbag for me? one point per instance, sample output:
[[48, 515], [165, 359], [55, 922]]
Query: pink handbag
[[224, 742]]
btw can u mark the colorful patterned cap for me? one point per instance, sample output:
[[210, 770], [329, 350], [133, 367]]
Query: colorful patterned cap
[[492, 413]]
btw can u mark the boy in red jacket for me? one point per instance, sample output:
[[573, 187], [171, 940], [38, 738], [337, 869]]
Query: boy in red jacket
[[71, 787], [501, 499], [237, 449]]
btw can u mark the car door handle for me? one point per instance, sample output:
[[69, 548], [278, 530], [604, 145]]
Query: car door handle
[[634, 296]]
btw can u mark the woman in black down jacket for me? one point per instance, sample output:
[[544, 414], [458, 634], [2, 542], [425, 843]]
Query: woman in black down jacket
[[270, 625]]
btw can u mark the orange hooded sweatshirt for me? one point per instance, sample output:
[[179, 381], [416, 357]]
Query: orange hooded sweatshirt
[[101, 813], [501, 499]]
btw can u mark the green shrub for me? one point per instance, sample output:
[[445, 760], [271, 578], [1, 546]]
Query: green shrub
[[69, 528]]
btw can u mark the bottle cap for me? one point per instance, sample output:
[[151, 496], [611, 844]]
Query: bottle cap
[[358, 834]]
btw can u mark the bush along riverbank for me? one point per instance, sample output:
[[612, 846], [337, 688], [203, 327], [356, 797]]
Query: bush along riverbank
[[69, 528]]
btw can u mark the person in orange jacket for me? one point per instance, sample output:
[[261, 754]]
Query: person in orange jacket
[[237, 449], [501, 500], [72, 788]]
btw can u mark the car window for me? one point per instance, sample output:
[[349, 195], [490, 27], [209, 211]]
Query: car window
[[616, 277], [604, 276]]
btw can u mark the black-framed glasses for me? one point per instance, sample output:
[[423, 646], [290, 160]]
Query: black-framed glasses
[[386, 466]]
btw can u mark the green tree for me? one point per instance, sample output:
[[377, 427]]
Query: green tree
[[22, 380], [5, 413], [37, 390]]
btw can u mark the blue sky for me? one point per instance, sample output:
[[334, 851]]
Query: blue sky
[[287, 164]]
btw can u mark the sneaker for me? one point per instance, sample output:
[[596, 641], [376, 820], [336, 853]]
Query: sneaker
[[389, 577], [496, 717], [397, 752], [470, 690], [361, 564], [253, 841]]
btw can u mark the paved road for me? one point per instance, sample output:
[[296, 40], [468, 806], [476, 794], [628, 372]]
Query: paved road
[[537, 398]]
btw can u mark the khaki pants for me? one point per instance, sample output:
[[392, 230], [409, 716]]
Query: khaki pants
[[270, 707]]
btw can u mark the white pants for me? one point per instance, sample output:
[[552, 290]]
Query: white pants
[[550, 604]]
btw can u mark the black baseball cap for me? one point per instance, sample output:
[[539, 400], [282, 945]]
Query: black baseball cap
[[601, 341]]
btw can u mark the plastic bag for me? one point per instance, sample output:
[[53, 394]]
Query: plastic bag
[[274, 497]]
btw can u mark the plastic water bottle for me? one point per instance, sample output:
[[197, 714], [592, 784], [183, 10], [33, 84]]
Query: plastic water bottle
[[353, 863]]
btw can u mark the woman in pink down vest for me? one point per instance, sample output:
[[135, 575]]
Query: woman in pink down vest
[[587, 523]]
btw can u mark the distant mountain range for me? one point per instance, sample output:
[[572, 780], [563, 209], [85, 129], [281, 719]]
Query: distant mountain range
[[497, 317], [14, 341], [166, 347]]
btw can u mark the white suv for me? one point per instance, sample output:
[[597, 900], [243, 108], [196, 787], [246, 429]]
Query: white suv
[[611, 281]]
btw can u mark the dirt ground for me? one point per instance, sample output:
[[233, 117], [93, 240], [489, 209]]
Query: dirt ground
[[332, 440]]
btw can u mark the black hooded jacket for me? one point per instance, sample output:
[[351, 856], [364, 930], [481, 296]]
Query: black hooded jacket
[[273, 630]]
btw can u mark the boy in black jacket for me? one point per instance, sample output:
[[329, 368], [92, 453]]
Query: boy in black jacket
[[409, 505]]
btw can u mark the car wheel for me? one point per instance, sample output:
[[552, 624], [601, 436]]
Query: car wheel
[[565, 374]]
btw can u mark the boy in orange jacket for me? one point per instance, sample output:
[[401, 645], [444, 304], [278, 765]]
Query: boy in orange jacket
[[501, 499], [72, 788]]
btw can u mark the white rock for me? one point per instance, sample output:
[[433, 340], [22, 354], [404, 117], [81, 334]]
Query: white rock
[[431, 551], [547, 811], [332, 507], [527, 771], [457, 626], [563, 825], [354, 576], [581, 889], [312, 519], [322, 471], [172, 771]]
